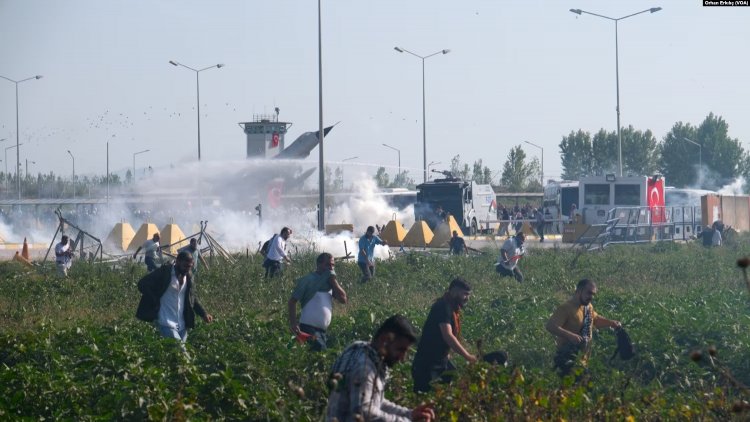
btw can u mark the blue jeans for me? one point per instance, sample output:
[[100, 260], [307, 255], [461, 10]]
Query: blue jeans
[[368, 271], [317, 343], [173, 333]]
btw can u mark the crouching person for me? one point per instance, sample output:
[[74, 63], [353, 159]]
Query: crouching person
[[168, 299]]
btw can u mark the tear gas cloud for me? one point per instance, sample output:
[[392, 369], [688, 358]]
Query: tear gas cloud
[[225, 195]]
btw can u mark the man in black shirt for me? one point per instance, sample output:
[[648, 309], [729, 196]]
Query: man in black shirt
[[457, 244], [440, 335]]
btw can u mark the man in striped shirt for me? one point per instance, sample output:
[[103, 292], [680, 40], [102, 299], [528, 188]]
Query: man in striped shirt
[[359, 376]]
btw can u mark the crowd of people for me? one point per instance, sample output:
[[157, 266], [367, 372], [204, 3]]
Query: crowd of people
[[359, 375], [513, 219]]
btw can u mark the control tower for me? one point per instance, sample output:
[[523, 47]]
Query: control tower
[[265, 135]]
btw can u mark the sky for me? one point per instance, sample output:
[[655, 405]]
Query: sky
[[516, 71]]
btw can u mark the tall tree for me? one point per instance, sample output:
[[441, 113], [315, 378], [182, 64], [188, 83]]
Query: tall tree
[[481, 174], [604, 153], [721, 154], [402, 180], [723, 158], [518, 174], [678, 159], [640, 155], [458, 169], [575, 153], [381, 178]]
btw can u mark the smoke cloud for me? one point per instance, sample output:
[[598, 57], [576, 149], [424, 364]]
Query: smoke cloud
[[225, 194]]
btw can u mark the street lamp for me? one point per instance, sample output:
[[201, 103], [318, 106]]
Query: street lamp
[[134, 154], [18, 150], [424, 121], [617, 68], [399, 156], [321, 134], [27, 167], [6, 159], [541, 171], [432, 163], [700, 158], [198, 94], [342, 169], [74, 173]]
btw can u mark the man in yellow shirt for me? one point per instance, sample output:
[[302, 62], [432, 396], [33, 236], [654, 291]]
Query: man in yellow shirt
[[573, 323]]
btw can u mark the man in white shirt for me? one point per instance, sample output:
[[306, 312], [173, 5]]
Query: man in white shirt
[[510, 254], [168, 299], [315, 292], [63, 256], [277, 253], [151, 249]]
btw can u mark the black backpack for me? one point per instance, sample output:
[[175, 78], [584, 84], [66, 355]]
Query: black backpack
[[624, 345], [266, 246]]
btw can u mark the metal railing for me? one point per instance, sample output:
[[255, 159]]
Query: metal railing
[[647, 224]]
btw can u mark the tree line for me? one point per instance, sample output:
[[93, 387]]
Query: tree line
[[702, 156], [50, 185]]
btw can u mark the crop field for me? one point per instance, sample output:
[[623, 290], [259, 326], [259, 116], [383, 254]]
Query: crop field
[[72, 349]]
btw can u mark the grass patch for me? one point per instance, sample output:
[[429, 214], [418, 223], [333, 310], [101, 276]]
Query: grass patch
[[72, 349]]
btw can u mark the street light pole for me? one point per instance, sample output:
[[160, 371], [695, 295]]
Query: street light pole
[[134, 154], [399, 155], [541, 171], [321, 135], [74, 173], [6, 159], [700, 159], [198, 94], [617, 69], [108, 174], [18, 150], [424, 108]]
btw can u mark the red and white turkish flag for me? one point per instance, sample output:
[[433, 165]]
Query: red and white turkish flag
[[275, 140], [655, 189]]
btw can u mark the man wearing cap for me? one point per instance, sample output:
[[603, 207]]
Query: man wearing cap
[[510, 254], [315, 292], [440, 336], [572, 324]]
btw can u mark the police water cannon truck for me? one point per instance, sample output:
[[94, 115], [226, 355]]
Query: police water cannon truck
[[468, 202]]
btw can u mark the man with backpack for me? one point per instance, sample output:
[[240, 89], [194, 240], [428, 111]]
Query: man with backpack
[[573, 324], [276, 252]]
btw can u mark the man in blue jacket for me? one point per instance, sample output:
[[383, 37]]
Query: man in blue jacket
[[166, 291]]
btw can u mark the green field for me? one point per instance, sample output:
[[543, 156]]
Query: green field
[[72, 349]]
